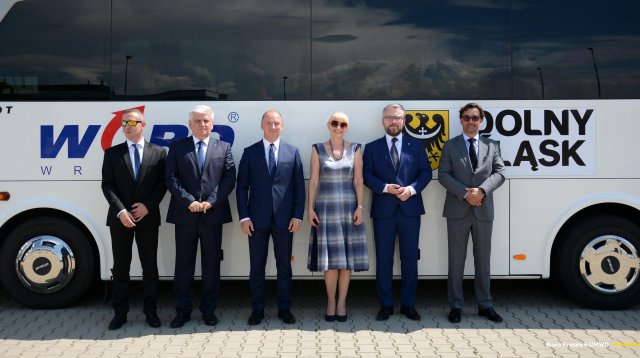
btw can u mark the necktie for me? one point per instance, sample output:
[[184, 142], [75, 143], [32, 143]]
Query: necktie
[[472, 154], [272, 159], [136, 161], [201, 155], [394, 153]]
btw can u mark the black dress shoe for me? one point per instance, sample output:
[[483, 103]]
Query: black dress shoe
[[410, 312], [179, 320], [117, 322], [491, 314], [255, 318], [152, 319], [384, 313], [210, 319], [455, 315], [286, 316], [341, 318]]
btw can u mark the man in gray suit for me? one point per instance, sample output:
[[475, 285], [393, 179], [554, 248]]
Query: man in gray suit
[[471, 168]]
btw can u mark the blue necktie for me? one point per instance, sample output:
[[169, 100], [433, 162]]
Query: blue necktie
[[472, 154], [136, 161], [201, 155], [394, 153], [272, 159]]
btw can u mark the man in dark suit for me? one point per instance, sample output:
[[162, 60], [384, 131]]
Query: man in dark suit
[[471, 168], [200, 175], [133, 183], [396, 169], [270, 197]]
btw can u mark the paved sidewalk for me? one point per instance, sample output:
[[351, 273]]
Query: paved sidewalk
[[539, 322]]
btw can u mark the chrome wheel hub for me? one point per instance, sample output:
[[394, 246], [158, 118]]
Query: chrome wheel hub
[[45, 264], [610, 264]]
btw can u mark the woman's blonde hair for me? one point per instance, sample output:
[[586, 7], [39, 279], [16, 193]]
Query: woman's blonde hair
[[338, 115]]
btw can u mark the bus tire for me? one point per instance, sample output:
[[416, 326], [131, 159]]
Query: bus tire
[[47, 263], [598, 263]]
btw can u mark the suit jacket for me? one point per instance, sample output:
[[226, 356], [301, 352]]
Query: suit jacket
[[119, 185], [256, 188], [414, 170], [187, 184], [455, 174]]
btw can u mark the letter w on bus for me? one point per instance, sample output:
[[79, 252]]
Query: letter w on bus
[[77, 148]]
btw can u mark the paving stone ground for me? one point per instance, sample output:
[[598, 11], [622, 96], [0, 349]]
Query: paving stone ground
[[539, 322]]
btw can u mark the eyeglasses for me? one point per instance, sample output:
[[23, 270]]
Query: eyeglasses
[[200, 122], [471, 118], [130, 123], [337, 124], [393, 118]]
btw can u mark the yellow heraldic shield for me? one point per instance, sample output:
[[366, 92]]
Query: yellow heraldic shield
[[432, 128]]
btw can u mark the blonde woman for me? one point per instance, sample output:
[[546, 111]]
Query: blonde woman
[[338, 243]]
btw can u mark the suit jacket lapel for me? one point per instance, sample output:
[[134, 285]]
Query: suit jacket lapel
[[461, 145], [193, 149], [144, 161], [280, 159], [213, 144], [127, 160], [406, 147], [385, 152], [261, 158], [482, 151]]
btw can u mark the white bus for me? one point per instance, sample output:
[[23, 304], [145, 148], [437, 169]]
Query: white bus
[[570, 206]]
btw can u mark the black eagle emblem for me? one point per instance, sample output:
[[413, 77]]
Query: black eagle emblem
[[432, 135]]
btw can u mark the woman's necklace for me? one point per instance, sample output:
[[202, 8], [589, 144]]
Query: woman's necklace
[[337, 159]]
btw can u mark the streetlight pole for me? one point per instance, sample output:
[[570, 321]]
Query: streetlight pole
[[284, 87], [595, 67], [126, 75], [541, 81]]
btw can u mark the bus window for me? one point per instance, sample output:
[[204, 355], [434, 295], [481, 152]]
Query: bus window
[[55, 50]]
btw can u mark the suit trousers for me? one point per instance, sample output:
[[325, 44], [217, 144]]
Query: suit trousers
[[121, 245], [458, 236], [258, 252], [407, 229], [187, 238]]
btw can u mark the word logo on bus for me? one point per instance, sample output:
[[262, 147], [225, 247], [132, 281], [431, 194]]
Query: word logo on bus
[[78, 144], [432, 128]]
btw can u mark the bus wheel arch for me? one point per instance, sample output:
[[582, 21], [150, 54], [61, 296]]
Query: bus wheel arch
[[47, 261], [595, 258]]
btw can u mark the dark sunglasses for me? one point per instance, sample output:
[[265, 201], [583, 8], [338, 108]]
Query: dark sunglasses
[[471, 118], [131, 123], [337, 124]]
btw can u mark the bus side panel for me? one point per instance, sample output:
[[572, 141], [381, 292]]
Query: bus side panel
[[540, 207]]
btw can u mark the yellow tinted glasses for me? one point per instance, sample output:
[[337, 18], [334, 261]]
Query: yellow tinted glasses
[[130, 123]]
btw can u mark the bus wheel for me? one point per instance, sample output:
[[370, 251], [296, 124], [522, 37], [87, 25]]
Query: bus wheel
[[46, 263], [598, 262]]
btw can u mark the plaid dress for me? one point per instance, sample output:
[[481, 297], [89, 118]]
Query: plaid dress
[[337, 243]]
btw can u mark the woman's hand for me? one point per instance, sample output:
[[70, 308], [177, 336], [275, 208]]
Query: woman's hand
[[357, 216], [313, 218]]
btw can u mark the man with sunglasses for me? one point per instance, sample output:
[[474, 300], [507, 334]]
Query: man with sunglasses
[[133, 183], [471, 169]]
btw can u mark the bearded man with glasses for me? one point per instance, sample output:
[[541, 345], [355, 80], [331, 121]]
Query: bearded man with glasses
[[396, 169]]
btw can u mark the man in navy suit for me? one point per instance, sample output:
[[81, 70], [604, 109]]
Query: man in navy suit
[[270, 197], [396, 169], [133, 184], [200, 175]]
